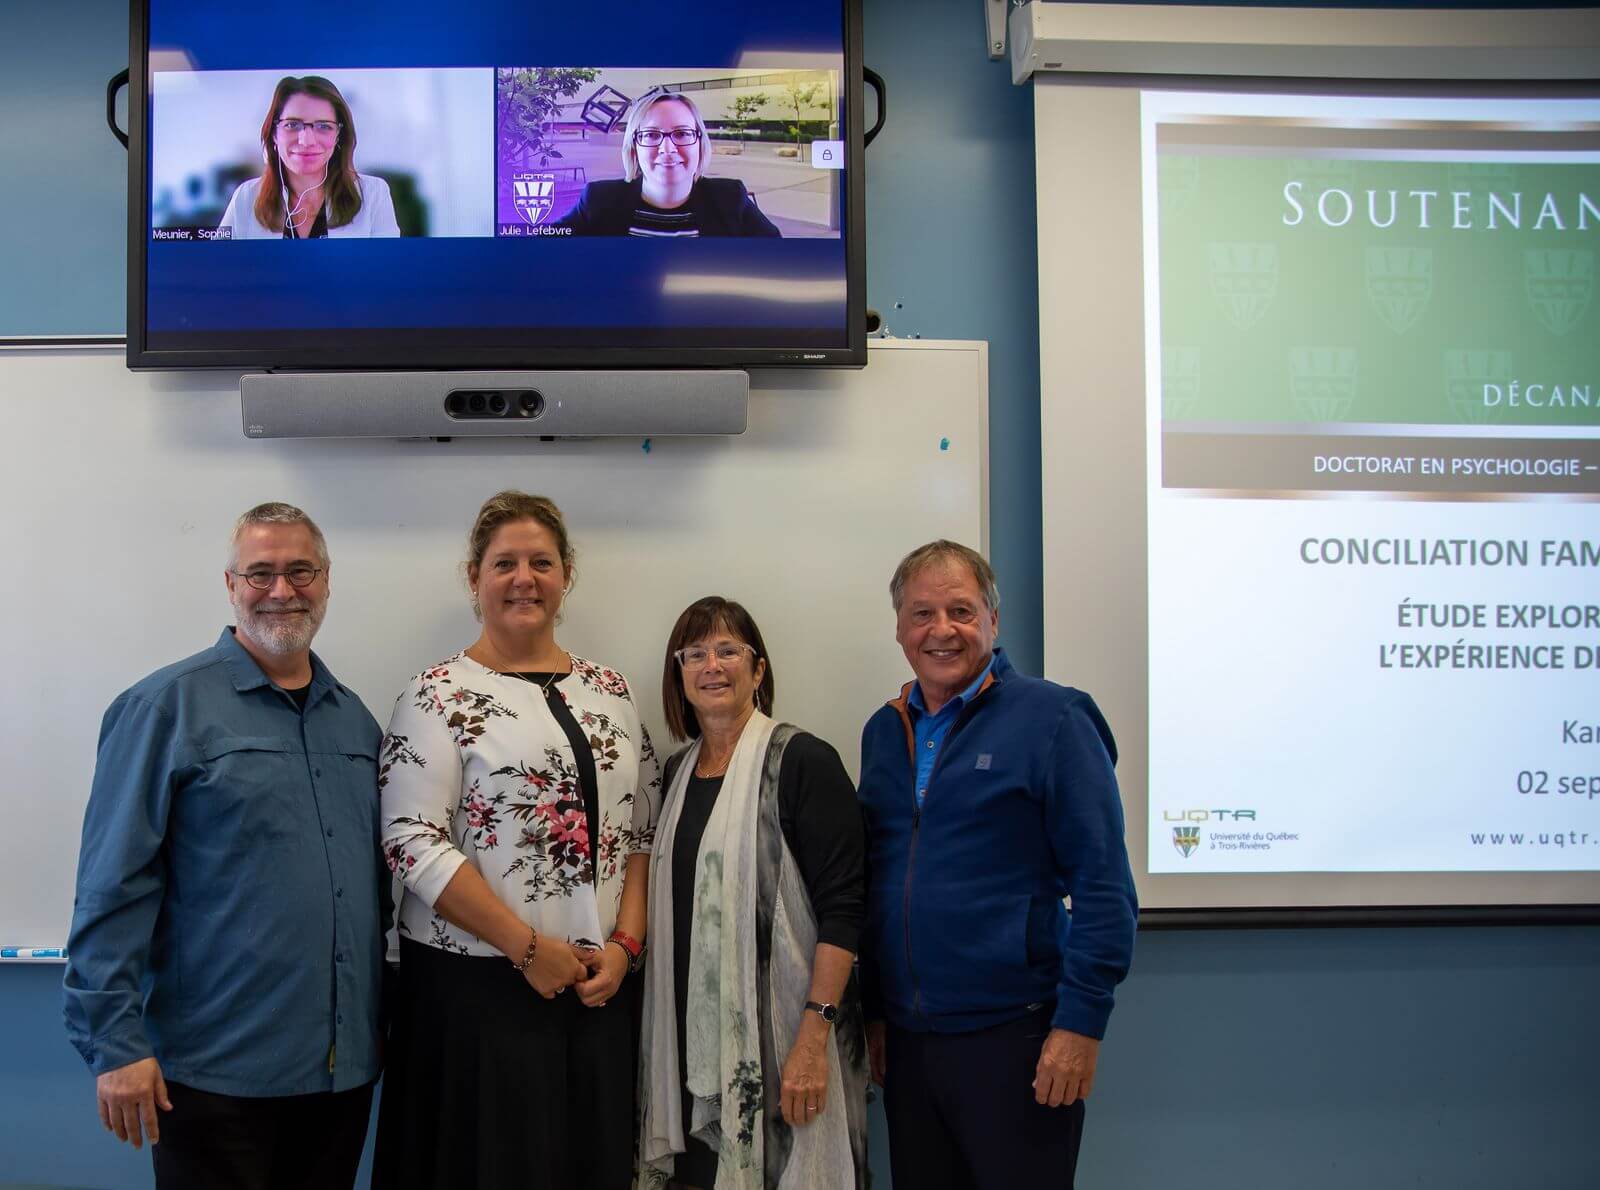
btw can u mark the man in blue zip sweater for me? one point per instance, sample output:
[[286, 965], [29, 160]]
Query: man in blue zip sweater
[[989, 797]]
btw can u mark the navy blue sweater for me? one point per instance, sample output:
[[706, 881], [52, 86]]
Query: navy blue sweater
[[965, 922]]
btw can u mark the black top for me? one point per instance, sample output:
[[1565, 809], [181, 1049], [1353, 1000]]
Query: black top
[[319, 227], [582, 755], [821, 822], [715, 207], [300, 695]]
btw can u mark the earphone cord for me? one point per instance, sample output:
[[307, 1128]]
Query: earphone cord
[[288, 220]]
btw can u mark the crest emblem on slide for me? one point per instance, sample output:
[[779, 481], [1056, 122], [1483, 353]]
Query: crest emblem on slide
[[1466, 371], [1244, 278], [1399, 284], [1186, 839], [1177, 180], [1180, 382], [1560, 283], [534, 195], [1322, 382]]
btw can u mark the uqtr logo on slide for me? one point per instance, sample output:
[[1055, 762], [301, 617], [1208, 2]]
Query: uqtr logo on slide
[[534, 195], [1186, 839]]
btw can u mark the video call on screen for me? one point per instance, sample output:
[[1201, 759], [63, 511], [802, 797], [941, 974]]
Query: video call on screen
[[497, 189]]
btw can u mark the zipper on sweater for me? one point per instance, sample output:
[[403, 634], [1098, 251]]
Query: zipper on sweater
[[905, 909], [916, 826]]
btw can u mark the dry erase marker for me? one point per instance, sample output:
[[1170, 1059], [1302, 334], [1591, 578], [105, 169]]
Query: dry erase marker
[[32, 952]]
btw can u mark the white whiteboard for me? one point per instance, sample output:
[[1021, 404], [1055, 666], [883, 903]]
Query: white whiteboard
[[122, 489]]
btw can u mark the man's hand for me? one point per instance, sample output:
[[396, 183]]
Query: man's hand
[[1066, 1068], [878, 1050], [128, 1097]]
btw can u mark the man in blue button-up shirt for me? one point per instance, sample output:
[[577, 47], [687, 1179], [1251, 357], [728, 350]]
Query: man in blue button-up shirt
[[227, 947]]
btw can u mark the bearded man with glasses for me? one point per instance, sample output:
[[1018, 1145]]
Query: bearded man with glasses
[[226, 957]]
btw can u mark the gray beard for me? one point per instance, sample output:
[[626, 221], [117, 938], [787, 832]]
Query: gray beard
[[277, 636]]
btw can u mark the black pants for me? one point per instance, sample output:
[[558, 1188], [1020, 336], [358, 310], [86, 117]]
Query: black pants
[[962, 1115], [489, 1086], [211, 1141]]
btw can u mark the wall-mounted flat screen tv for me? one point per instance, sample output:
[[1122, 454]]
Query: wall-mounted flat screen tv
[[492, 184]]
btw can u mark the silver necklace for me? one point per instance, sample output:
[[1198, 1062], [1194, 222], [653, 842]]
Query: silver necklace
[[720, 769], [544, 687]]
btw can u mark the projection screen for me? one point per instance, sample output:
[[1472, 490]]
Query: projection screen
[[1321, 479]]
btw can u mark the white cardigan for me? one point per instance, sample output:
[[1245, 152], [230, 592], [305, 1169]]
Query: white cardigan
[[375, 218]]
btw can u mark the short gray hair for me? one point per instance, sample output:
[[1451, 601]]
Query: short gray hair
[[943, 551], [275, 512]]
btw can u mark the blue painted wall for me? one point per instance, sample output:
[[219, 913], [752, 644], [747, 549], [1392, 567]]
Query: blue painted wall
[[1443, 1058], [63, 176]]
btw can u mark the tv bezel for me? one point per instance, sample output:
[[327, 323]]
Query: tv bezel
[[405, 353]]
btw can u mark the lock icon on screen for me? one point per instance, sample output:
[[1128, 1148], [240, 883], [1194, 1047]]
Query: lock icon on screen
[[827, 154]]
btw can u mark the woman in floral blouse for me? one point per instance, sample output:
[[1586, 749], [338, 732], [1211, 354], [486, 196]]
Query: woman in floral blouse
[[520, 794]]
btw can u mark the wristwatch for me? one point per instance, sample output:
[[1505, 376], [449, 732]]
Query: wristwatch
[[828, 1012]]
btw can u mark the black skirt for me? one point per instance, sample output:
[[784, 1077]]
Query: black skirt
[[489, 1085]]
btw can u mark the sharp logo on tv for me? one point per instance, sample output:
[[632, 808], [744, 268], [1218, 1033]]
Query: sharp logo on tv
[[535, 196], [1186, 839]]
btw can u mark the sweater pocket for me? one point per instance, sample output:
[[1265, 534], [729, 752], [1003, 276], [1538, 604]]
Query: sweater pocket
[[1046, 933], [975, 959]]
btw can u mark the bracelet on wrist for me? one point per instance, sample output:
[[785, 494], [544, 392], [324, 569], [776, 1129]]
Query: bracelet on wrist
[[527, 955], [631, 946]]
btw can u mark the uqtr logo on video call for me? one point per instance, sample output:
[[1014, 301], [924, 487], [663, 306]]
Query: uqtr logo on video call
[[534, 195], [1186, 839]]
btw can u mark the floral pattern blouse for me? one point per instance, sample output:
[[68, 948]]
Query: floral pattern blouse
[[476, 769]]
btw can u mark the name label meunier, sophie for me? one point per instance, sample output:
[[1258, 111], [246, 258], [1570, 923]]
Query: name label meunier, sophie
[[1459, 210]]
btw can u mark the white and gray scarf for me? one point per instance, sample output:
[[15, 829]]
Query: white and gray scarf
[[749, 976]]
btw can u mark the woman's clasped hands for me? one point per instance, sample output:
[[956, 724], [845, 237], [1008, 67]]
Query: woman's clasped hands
[[595, 974], [606, 968], [554, 968]]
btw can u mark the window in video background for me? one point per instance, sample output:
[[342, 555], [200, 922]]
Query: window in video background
[[560, 130], [427, 133]]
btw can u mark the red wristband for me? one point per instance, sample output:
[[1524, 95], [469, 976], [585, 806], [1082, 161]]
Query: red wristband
[[632, 945]]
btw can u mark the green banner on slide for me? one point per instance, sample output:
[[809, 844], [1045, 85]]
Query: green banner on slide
[[1361, 290]]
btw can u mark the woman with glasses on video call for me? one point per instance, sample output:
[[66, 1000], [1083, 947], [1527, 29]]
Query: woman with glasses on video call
[[753, 1055], [664, 192], [309, 188]]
